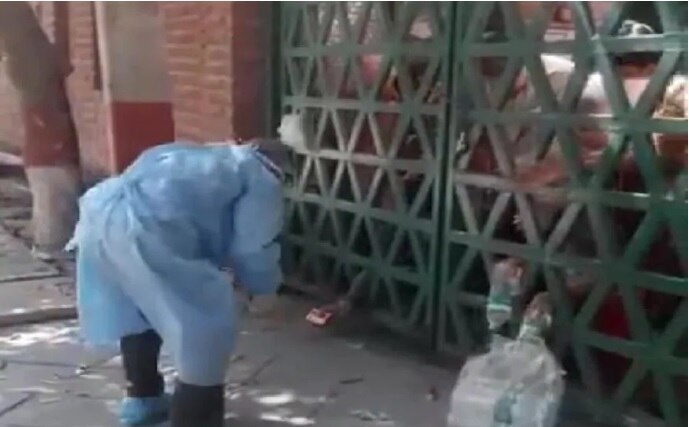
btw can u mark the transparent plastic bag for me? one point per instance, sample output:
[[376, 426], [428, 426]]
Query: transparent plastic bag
[[518, 383]]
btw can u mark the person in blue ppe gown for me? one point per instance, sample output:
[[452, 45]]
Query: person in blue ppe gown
[[151, 246]]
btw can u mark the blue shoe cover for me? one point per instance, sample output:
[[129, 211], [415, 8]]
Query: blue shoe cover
[[144, 411]]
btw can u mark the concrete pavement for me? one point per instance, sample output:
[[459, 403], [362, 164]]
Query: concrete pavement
[[284, 373]]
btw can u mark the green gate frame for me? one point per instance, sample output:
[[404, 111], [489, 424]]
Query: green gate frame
[[339, 233]]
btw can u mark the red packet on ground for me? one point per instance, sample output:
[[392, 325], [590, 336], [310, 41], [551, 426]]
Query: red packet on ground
[[318, 317]]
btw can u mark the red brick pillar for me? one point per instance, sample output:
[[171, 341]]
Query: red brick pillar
[[136, 84]]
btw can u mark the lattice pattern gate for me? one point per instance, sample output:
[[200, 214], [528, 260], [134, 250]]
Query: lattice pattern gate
[[443, 137]]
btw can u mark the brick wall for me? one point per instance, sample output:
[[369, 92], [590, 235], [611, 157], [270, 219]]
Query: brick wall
[[84, 89], [251, 49], [217, 55], [198, 46]]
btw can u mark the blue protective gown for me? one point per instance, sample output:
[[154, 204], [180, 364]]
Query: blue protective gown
[[151, 243]]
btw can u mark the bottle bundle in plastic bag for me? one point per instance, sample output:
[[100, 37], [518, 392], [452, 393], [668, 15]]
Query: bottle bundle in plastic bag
[[518, 383]]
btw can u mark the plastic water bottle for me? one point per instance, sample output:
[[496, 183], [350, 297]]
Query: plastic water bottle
[[505, 283], [537, 318]]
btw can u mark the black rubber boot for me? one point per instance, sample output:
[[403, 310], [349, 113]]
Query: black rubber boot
[[140, 359], [197, 406]]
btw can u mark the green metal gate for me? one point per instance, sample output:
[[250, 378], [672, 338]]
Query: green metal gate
[[411, 178], [348, 211]]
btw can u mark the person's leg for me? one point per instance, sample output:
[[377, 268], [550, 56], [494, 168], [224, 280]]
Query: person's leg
[[197, 406], [146, 403], [108, 316], [140, 359], [201, 362]]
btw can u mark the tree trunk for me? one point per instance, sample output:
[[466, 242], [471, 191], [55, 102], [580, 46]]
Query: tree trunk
[[50, 151]]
